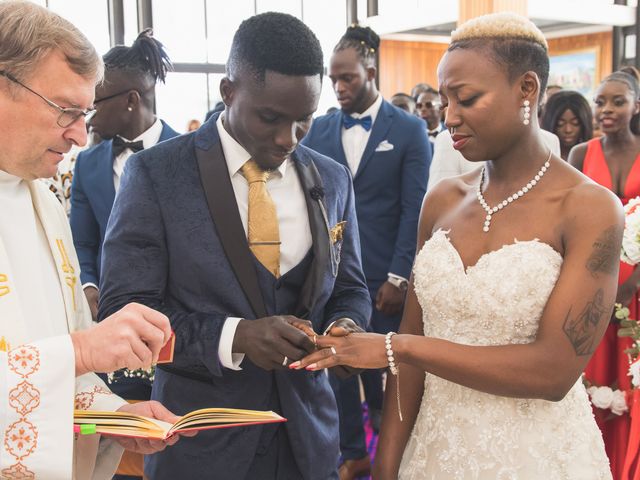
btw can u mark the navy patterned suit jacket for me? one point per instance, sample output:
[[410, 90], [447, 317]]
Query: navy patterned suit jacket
[[164, 248]]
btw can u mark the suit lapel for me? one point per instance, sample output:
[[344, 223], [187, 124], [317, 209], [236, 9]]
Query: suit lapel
[[340, 156], [218, 191], [378, 133], [104, 175], [314, 195]]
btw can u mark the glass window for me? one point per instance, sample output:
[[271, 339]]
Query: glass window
[[214, 89], [92, 18], [222, 23], [328, 20], [130, 21], [182, 29], [630, 46], [182, 98], [292, 7]]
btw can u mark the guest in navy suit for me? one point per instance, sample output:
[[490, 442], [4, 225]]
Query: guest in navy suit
[[182, 237], [125, 120], [388, 154]]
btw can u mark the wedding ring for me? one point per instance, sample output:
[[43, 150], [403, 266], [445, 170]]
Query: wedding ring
[[333, 350], [315, 340], [284, 362]]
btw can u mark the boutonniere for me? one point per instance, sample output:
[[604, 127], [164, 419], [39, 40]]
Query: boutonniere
[[337, 231]]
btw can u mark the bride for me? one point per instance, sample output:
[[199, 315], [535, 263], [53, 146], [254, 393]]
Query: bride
[[512, 288]]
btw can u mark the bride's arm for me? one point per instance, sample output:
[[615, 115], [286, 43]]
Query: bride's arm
[[573, 322], [394, 434]]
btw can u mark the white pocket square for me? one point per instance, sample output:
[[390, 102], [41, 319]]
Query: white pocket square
[[384, 146]]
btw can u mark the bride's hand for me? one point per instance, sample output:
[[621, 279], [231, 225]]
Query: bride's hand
[[358, 350]]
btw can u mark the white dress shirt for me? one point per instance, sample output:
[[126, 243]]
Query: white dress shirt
[[149, 138], [291, 208], [354, 139]]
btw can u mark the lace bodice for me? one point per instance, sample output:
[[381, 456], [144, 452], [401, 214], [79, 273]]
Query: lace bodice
[[462, 433], [493, 302]]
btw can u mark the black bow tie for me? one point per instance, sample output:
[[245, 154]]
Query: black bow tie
[[433, 133], [119, 145]]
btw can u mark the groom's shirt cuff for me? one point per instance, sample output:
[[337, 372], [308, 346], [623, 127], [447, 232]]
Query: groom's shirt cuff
[[227, 358]]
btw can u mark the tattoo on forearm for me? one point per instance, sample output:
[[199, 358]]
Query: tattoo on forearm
[[605, 256], [582, 329]]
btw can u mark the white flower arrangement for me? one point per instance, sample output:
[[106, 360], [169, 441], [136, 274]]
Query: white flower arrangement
[[634, 373], [606, 398], [141, 373], [631, 237]]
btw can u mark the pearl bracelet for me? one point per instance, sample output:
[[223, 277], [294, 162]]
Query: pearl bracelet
[[393, 368]]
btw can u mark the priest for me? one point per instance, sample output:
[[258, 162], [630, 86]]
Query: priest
[[48, 345]]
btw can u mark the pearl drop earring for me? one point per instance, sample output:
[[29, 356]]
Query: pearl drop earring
[[130, 109], [527, 112]]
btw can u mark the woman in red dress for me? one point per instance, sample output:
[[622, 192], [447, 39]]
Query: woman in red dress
[[613, 161]]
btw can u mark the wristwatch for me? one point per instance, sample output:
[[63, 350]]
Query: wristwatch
[[398, 282]]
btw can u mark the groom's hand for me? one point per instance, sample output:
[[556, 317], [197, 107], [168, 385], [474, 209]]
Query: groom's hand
[[341, 328], [267, 341]]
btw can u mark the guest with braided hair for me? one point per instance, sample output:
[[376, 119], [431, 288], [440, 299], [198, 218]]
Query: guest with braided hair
[[125, 119]]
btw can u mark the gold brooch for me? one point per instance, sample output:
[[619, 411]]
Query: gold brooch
[[336, 232]]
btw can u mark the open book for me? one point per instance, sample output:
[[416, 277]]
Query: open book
[[130, 425]]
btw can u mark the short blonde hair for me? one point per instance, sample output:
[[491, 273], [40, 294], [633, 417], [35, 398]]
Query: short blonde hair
[[499, 25], [512, 41], [28, 33]]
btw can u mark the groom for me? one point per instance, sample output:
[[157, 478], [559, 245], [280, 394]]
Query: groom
[[233, 231]]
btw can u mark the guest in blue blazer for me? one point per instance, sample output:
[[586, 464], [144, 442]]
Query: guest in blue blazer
[[388, 154], [126, 121], [234, 232]]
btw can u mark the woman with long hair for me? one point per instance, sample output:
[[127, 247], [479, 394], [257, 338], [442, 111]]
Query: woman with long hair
[[568, 115]]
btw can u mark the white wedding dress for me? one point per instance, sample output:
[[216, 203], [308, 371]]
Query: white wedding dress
[[461, 433]]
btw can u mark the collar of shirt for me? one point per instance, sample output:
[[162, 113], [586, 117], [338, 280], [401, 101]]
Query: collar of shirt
[[373, 110], [150, 136], [438, 129], [235, 154]]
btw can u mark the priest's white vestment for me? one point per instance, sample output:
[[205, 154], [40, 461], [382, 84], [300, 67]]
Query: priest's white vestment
[[41, 303]]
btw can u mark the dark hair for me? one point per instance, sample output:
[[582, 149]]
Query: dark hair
[[628, 77], [568, 100], [517, 55], [146, 57], [363, 40], [277, 42]]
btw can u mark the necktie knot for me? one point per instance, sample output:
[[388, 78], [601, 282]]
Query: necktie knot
[[119, 145], [254, 173], [365, 122]]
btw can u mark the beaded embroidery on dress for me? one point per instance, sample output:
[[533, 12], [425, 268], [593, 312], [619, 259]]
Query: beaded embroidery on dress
[[461, 433]]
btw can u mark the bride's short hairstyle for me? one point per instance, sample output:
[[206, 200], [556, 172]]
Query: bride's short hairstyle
[[512, 40]]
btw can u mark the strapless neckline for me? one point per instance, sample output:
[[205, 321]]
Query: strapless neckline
[[487, 255]]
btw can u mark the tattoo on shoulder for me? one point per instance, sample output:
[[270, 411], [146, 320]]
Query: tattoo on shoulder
[[581, 330], [605, 255]]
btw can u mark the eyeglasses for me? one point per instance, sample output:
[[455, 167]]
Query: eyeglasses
[[67, 117], [434, 105], [95, 102]]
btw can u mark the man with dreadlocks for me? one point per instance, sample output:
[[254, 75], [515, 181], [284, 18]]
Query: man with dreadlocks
[[388, 154], [126, 121]]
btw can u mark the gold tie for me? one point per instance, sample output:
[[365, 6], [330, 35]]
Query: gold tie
[[262, 224]]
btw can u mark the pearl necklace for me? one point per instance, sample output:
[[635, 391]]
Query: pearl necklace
[[492, 210]]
